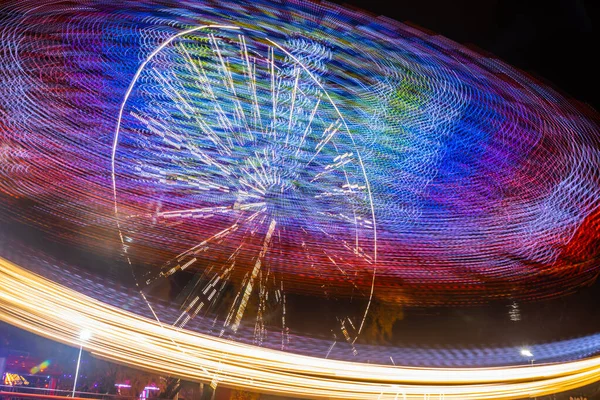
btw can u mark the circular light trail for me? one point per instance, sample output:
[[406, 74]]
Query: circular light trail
[[54, 311], [416, 354], [481, 178], [242, 155]]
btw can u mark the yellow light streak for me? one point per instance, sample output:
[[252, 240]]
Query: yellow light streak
[[39, 305]]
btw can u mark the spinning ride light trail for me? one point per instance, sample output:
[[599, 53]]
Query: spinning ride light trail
[[417, 354], [481, 178], [42, 306], [307, 151]]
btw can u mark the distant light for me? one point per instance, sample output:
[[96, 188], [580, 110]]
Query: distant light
[[526, 353], [514, 313], [85, 335], [151, 388], [40, 367]]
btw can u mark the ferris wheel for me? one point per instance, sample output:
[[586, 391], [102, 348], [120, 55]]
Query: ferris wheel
[[237, 181]]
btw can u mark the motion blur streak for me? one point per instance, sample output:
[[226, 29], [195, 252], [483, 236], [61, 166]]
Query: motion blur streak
[[46, 308]]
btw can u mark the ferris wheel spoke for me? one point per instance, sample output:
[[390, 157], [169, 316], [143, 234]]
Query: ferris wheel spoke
[[247, 289], [291, 117], [336, 166], [175, 95], [204, 294], [172, 138], [327, 135], [274, 96], [188, 257], [352, 247], [222, 119], [212, 135], [204, 212], [229, 82], [344, 266], [251, 76], [194, 115], [308, 126]]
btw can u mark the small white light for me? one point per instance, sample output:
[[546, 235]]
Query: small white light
[[85, 335], [526, 353]]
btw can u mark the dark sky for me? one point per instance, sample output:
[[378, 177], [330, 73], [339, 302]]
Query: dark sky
[[553, 39]]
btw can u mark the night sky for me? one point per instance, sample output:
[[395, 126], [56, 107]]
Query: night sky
[[554, 40]]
